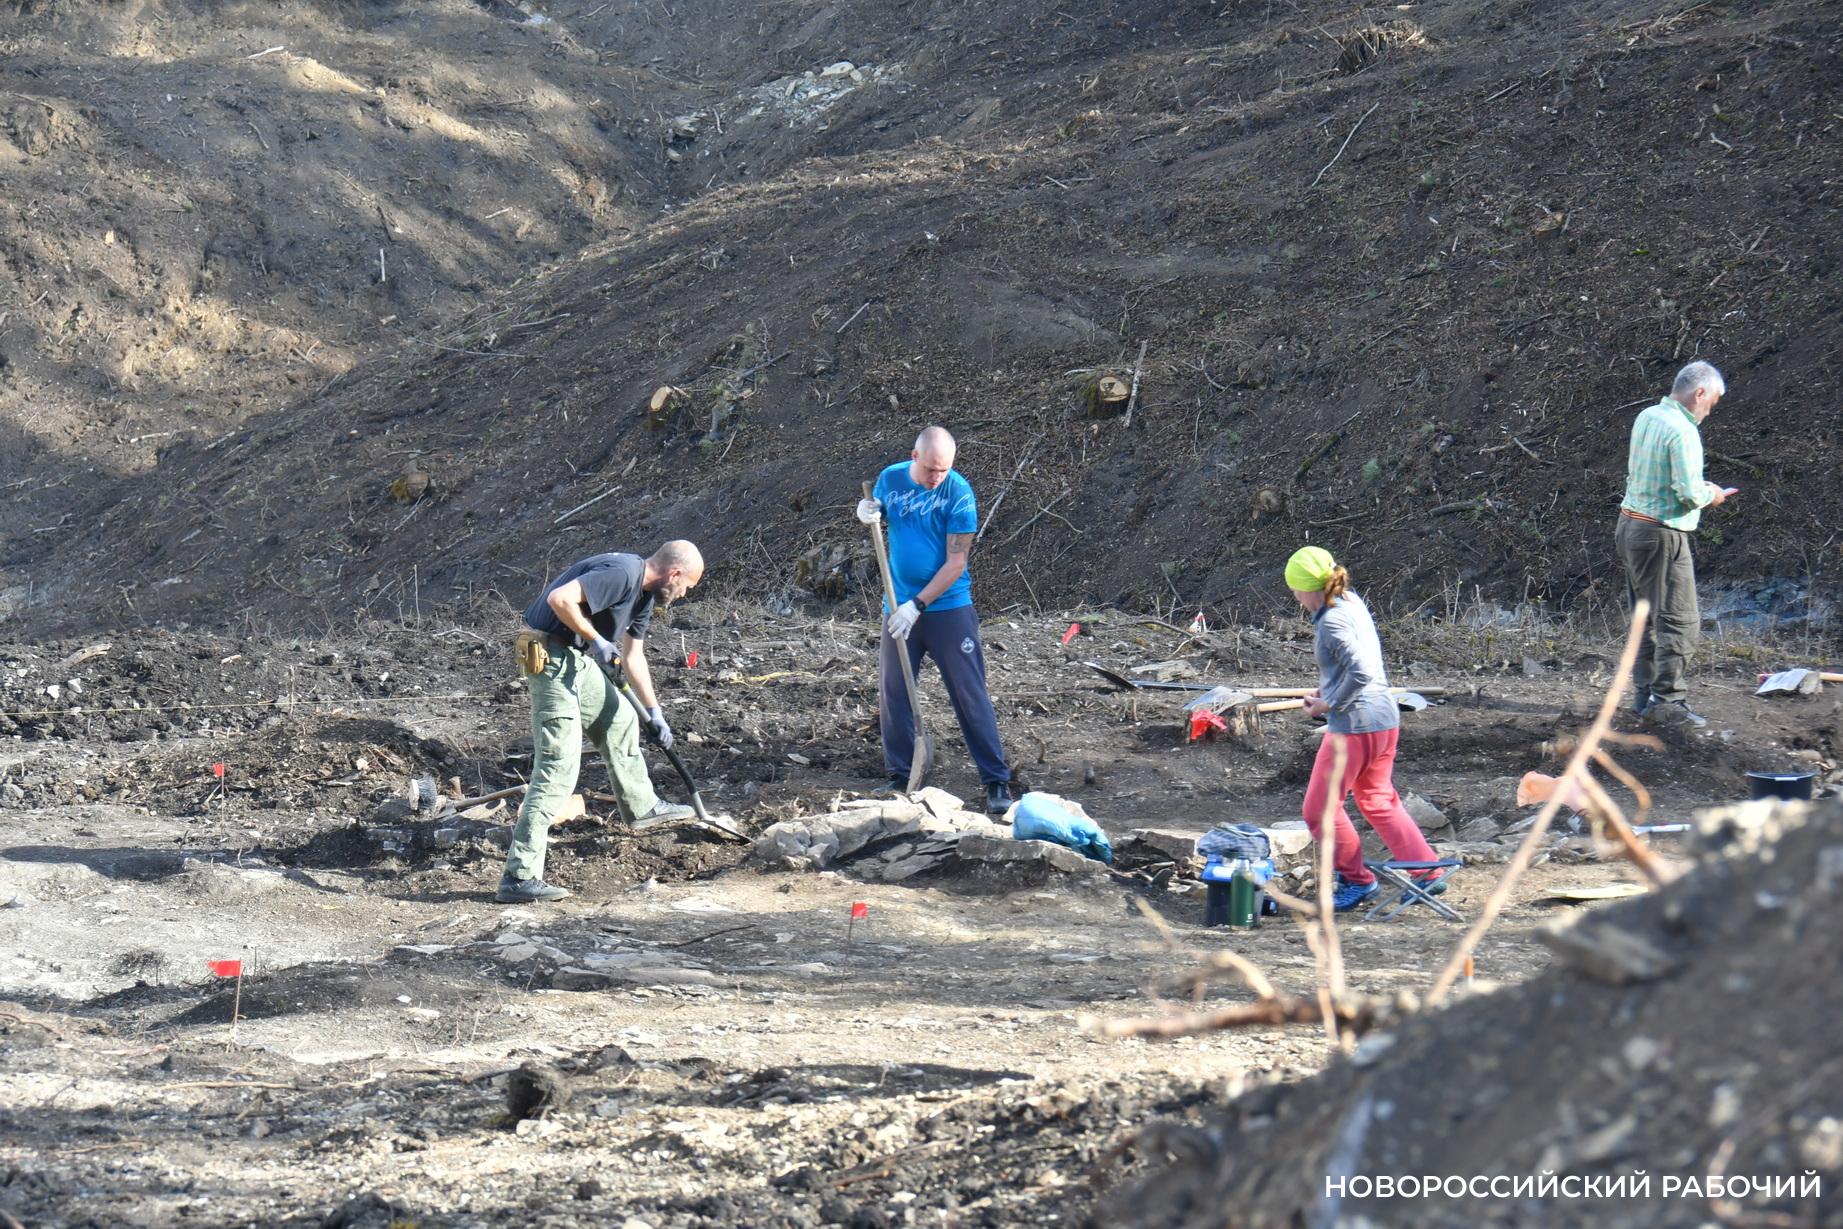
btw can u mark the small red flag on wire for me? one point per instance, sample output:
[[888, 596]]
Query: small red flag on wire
[[225, 968], [217, 770], [691, 659], [1204, 723], [1074, 631], [859, 910]]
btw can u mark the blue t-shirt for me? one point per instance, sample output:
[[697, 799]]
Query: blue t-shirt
[[919, 521]]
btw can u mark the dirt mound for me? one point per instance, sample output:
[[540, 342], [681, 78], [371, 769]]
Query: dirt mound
[[1399, 292], [1673, 1039]]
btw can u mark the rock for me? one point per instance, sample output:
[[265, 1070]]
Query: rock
[[1289, 838], [535, 1091], [975, 847], [1425, 814], [1177, 846], [589, 1188], [938, 802], [908, 868], [1483, 829], [367, 1211], [1606, 1143], [1532, 667], [1822, 1145], [1600, 952], [663, 975], [579, 979], [516, 953]]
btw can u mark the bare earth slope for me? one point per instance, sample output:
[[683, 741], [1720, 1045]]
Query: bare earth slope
[[1400, 275]]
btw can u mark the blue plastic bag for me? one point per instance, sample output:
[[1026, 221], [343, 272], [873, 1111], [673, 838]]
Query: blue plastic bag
[[1039, 817]]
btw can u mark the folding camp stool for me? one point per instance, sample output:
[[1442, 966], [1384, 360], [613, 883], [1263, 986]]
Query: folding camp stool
[[1400, 876]]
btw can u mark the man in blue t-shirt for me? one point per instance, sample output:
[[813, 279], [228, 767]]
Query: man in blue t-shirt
[[932, 519], [593, 617]]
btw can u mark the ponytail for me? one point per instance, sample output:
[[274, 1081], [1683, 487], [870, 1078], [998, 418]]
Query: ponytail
[[1337, 586]]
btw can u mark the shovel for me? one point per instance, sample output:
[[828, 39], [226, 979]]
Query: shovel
[[921, 756], [1795, 682], [719, 825]]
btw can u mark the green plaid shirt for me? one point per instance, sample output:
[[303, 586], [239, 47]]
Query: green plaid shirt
[[1663, 470]]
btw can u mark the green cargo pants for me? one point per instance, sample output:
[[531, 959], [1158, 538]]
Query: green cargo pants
[[1660, 568], [571, 699]]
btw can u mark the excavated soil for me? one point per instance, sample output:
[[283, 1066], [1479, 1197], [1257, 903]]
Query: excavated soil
[[734, 1048]]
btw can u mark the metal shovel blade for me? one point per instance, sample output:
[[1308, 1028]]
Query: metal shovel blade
[[1413, 701], [921, 759], [1795, 682]]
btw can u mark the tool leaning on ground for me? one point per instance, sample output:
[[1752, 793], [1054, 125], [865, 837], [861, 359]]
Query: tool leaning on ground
[[921, 757], [720, 824]]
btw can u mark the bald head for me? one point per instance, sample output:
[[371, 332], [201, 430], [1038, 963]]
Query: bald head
[[673, 569], [933, 457]]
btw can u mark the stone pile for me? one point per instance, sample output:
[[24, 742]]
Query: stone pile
[[891, 840]]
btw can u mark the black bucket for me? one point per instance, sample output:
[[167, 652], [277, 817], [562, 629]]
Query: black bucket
[[1794, 786]]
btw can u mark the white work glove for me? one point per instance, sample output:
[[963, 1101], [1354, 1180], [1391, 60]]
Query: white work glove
[[869, 511], [661, 730], [903, 621]]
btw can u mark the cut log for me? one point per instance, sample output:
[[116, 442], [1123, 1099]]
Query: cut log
[[665, 401], [1105, 395]]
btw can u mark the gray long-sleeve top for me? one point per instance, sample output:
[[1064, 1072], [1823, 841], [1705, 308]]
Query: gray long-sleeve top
[[1351, 678]]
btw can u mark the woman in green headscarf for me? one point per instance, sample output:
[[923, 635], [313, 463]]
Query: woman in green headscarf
[[1353, 696]]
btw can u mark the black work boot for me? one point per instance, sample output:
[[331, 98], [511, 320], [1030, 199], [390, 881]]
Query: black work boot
[[527, 891], [997, 798]]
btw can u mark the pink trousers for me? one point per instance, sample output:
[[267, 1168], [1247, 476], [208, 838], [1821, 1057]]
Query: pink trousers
[[1369, 767]]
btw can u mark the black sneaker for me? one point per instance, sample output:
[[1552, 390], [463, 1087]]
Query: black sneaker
[[1675, 712], [1642, 704], [997, 798], [896, 784], [527, 891]]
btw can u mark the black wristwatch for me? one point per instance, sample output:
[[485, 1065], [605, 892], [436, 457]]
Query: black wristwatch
[[919, 604]]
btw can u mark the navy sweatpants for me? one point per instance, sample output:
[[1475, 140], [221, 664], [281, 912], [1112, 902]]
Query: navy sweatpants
[[951, 638]]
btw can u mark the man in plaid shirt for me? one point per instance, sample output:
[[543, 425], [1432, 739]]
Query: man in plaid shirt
[[1665, 494]]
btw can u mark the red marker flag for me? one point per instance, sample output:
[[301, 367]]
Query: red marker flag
[[217, 770], [1074, 631], [225, 968], [691, 659], [1204, 723], [859, 910]]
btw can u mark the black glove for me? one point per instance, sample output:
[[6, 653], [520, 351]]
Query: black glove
[[661, 730]]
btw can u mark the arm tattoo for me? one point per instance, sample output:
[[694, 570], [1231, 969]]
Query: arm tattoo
[[959, 544]]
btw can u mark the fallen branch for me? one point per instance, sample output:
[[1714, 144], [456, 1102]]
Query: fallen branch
[[1132, 398], [996, 503], [840, 331], [1575, 772], [1041, 513], [1356, 1016], [727, 930], [587, 503], [1343, 147], [1330, 954]]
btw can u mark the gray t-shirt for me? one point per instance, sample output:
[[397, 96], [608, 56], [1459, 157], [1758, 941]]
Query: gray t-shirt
[[1351, 678], [612, 586]]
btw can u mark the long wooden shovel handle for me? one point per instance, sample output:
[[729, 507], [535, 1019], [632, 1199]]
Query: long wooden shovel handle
[[889, 593]]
